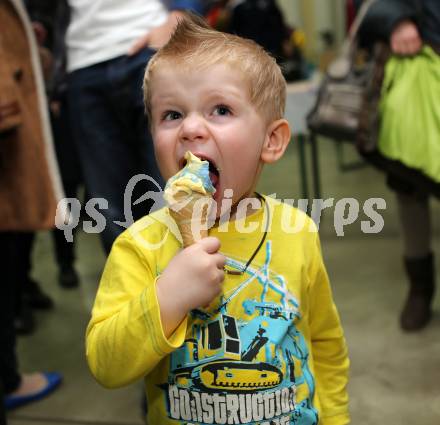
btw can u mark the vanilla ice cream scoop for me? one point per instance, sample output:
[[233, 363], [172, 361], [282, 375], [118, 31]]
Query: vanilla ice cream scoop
[[188, 195]]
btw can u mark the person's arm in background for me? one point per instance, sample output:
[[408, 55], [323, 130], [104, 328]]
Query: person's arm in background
[[160, 35], [43, 14], [50, 19]]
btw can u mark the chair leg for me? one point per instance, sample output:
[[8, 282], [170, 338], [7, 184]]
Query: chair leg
[[302, 165], [315, 166]]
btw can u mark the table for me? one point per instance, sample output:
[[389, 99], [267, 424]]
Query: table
[[301, 97]]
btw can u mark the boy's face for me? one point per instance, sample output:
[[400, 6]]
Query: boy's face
[[208, 113]]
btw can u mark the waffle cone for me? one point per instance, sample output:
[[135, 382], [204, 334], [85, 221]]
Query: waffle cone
[[190, 213]]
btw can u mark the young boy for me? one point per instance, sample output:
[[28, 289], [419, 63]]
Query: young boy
[[240, 327]]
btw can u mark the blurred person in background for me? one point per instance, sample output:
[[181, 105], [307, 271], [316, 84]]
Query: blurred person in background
[[51, 40], [263, 22], [30, 185], [29, 294], [409, 140], [107, 46]]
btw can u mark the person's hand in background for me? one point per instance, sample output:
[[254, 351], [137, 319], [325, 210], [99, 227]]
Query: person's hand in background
[[40, 32], [46, 57], [405, 39], [159, 36]]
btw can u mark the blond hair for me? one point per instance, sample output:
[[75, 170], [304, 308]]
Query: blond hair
[[195, 45]]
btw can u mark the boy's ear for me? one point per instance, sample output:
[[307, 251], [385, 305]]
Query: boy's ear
[[277, 139]]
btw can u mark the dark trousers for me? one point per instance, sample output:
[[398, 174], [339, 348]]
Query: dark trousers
[[70, 171], [22, 247], [10, 377], [64, 250], [111, 134]]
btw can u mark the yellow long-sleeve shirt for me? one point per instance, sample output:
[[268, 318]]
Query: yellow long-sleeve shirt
[[269, 350]]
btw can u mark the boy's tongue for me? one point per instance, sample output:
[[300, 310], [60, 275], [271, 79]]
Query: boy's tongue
[[214, 178]]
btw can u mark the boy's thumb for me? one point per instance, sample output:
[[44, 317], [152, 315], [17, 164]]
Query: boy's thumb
[[210, 244]]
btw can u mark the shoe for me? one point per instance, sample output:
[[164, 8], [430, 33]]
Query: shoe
[[53, 380], [416, 312], [68, 278], [37, 298]]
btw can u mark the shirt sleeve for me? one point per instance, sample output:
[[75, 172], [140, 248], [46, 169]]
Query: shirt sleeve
[[192, 5], [329, 348], [125, 339]]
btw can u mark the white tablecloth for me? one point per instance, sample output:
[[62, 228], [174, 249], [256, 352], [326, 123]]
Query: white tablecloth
[[301, 98]]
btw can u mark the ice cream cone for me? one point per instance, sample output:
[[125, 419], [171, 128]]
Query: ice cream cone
[[189, 195], [190, 212]]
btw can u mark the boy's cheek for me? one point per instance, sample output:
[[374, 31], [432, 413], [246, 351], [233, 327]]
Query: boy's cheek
[[167, 167], [153, 130]]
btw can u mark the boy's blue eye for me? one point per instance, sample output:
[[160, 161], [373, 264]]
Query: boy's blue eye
[[171, 115], [221, 110]]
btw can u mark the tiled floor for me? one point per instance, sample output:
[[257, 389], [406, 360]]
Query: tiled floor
[[395, 377]]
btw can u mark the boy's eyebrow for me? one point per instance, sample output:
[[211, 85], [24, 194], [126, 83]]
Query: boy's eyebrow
[[225, 91], [173, 97], [222, 94], [165, 98]]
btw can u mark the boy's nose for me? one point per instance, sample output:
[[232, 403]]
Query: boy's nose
[[193, 129]]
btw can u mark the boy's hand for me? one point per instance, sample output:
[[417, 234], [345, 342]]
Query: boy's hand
[[192, 279], [405, 39]]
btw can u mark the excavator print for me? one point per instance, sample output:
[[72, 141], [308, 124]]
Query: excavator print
[[261, 352], [223, 355]]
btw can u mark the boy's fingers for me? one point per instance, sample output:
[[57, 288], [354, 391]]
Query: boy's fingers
[[220, 261], [210, 244], [221, 276]]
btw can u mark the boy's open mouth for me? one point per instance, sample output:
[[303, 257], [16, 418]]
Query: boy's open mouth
[[214, 173]]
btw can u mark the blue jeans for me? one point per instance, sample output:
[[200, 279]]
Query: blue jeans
[[111, 134]]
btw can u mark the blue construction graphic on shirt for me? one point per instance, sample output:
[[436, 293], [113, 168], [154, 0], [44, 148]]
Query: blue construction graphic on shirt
[[248, 370]]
